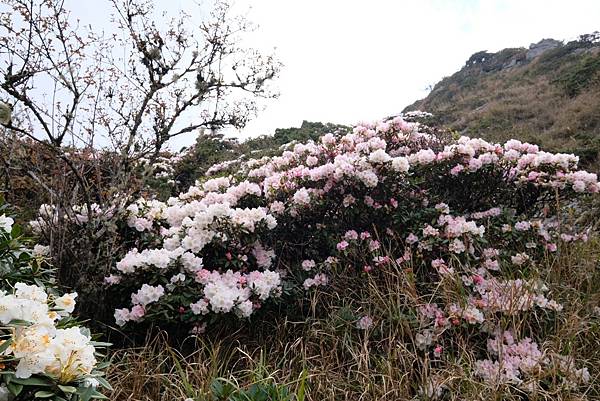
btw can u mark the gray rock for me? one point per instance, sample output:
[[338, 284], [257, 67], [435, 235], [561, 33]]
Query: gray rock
[[536, 49]]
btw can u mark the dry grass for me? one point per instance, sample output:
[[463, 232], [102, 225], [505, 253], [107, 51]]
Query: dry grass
[[341, 362]]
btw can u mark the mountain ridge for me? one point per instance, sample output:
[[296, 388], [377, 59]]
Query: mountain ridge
[[548, 93]]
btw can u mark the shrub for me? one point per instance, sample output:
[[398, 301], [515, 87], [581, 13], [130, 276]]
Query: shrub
[[223, 390], [470, 227], [231, 243], [579, 76]]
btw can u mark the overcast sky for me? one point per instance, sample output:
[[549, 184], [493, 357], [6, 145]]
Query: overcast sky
[[347, 61]]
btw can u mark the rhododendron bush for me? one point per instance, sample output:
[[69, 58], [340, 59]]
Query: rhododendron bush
[[472, 225], [44, 353]]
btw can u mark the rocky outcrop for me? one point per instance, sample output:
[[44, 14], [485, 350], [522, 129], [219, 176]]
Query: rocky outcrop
[[508, 58], [536, 49]]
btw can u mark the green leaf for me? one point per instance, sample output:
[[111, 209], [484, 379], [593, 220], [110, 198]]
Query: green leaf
[[102, 365], [16, 231], [32, 381], [216, 388], [85, 393], [5, 345], [15, 388], [100, 344], [104, 383], [44, 394], [38, 282], [19, 322], [67, 389], [99, 396], [302, 385]]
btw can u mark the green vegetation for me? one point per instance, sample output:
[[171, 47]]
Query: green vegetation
[[213, 148], [575, 78], [551, 98]]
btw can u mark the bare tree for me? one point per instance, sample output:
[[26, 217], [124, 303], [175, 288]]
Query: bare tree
[[131, 91]]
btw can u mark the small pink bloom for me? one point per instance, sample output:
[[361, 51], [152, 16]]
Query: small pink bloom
[[202, 275], [374, 245], [364, 323], [112, 279], [137, 312], [342, 245], [198, 329], [457, 169], [351, 234], [411, 239]]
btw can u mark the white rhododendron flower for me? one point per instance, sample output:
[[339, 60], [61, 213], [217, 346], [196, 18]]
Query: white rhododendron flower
[[6, 223], [379, 156], [147, 294], [64, 354], [41, 250], [400, 164], [73, 354], [31, 292], [66, 302]]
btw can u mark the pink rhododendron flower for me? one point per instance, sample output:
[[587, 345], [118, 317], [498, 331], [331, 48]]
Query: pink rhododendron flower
[[364, 323], [342, 245]]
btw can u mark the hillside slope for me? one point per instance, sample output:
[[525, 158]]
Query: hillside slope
[[548, 94]]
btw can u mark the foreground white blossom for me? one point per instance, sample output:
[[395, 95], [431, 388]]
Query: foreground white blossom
[[41, 347], [6, 223]]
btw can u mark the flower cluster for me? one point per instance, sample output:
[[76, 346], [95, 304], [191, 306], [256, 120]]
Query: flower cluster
[[515, 359], [78, 214], [518, 361], [221, 293], [188, 227], [472, 221], [42, 347], [34, 343]]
